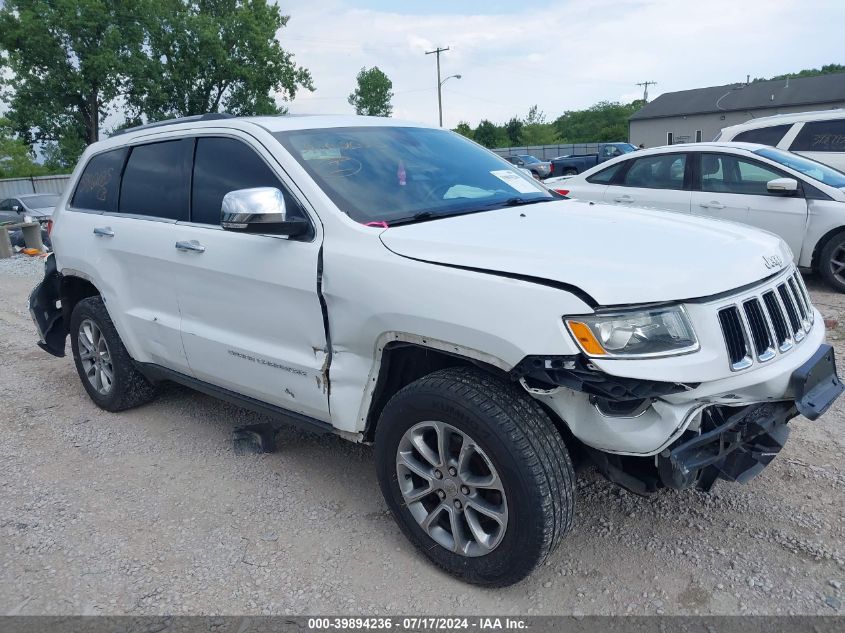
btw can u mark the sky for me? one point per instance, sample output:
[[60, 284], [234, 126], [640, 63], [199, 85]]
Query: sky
[[561, 55]]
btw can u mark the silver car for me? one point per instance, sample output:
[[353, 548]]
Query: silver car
[[38, 206]]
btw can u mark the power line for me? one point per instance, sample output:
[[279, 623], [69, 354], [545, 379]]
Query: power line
[[645, 85]]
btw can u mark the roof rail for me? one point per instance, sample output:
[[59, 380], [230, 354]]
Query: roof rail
[[211, 116]]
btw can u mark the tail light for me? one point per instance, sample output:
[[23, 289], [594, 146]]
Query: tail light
[[49, 227], [563, 192]]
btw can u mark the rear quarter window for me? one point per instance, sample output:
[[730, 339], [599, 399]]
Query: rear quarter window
[[99, 184], [764, 136], [821, 136]]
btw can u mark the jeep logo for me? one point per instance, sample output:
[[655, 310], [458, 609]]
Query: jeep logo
[[772, 261]]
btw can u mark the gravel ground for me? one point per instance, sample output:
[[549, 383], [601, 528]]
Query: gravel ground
[[151, 512]]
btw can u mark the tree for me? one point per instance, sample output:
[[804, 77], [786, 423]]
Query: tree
[[68, 63], [214, 55], [513, 130], [15, 157], [536, 131], [827, 69], [73, 62], [486, 134], [605, 121], [463, 128], [373, 94]]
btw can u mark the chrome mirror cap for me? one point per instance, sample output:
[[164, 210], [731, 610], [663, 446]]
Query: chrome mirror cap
[[246, 207]]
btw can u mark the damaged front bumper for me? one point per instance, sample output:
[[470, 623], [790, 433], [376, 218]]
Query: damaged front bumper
[[46, 311]]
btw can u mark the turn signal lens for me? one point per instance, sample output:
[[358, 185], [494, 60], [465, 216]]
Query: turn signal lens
[[585, 338], [563, 192]]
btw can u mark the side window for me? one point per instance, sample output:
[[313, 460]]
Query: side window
[[663, 171], [771, 135], [724, 173], [100, 182], [156, 180], [5, 205], [821, 136], [222, 165], [605, 176]]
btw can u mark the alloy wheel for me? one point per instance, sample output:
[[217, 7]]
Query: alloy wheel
[[451, 488], [95, 357]]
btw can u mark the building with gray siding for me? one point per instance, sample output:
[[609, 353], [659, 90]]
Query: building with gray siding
[[699, 115]]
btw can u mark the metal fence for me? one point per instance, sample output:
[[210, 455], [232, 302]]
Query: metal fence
[[34, 184], [548, 152]]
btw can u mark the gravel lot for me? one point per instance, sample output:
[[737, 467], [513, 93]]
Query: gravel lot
[[151, 512]]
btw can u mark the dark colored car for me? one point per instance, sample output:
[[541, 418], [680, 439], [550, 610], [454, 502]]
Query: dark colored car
[[540, 169], [575, 164], [38, 206]]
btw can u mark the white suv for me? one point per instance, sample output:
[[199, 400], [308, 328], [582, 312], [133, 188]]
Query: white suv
[[402, 286], [818, 135]]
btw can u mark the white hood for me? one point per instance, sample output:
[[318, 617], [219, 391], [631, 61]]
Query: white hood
[[616, 255]]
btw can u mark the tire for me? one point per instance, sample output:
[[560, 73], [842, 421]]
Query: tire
[[834, 250], [570, 172], [515, 436], [90, 324]]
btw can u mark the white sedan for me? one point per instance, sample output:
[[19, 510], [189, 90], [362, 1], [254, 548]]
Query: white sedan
[[797, 198]]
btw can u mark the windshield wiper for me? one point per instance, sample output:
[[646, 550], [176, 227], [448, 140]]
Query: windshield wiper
[[422, 216]]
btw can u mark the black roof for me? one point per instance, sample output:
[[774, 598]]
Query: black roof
[[796, 91]]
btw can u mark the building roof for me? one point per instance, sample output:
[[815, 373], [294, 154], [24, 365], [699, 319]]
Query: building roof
[[796, 91]]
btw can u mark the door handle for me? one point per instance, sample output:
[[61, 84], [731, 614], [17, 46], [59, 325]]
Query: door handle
[[192, 246], [103, 231], [625, 198], [713, 204]]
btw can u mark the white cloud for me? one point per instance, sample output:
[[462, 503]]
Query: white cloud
[[567, 55]]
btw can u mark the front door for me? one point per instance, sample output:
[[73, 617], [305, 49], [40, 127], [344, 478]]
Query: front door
[[251, 316], [735, 188]]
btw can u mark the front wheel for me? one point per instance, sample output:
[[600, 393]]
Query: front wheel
[[475, 474], [832, 262]]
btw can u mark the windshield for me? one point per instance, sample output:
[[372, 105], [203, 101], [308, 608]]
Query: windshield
[[808, 167], [390, 174], [39, 202], [530, 159], [626, 148]]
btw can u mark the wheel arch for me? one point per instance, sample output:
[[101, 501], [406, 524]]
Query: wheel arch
[[404, 358], [819, 247]]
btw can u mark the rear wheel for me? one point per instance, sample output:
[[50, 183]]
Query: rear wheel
[[102, 362], [570, 172], [475, 474], [832, 262]]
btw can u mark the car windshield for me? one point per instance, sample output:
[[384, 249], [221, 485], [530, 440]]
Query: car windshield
[[530, 159], [40, 202], [626, 148], [808, 167], [401, 174]]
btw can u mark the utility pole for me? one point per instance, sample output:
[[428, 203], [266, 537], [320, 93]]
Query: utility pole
[[645, 85], [437, 52]]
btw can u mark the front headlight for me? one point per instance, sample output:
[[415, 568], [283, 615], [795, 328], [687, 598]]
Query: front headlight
[[663, 331]]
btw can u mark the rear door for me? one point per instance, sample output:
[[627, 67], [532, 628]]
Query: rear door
[[122, 237], [732, 187], [658, 181], [823, 141], [251, 315]]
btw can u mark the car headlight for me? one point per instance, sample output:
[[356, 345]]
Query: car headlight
[[639, 333]]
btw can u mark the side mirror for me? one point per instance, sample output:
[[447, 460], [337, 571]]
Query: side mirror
[[259, 210], [786, 186]]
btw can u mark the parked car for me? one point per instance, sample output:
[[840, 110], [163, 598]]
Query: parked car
[[540, 169], [575, 164], [38, 206], [474, 326], [798, 199], [817, 135]]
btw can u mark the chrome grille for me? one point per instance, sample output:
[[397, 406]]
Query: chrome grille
[[771, 323]]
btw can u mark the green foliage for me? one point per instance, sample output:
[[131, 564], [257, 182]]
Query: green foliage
[[463, 128], [513, 130], [73, 62], [827, 69], [211, 56], [373, 94], [16, 159], [603, 122], [487, 134]]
